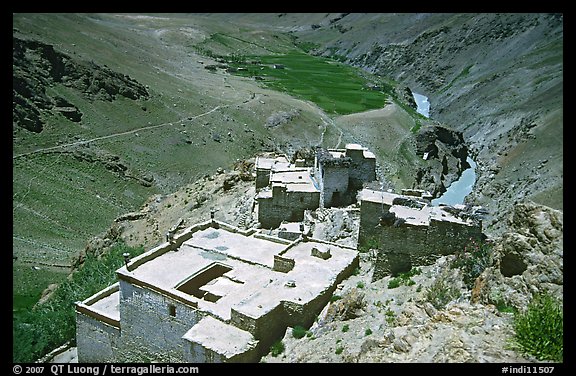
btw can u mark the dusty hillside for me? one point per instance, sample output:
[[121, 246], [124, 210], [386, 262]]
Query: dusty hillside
[[128, 125], [496, 77]]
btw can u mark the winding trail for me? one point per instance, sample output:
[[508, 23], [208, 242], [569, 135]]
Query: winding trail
[[132, 131], [41, 150]]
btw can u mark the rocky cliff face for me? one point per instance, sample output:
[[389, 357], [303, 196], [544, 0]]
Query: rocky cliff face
[[38, 66], [446, 152], [498, 78], [528, 258]]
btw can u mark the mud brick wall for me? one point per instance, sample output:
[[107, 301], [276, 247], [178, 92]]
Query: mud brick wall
[[286, 206], [405, 246], [97, 342], [153, 324], [333, 179]]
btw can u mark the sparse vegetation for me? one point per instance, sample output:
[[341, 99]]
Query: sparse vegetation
[[335, 298], [404, 278], [368, 243], [472, 260], [539, 331], [390, 316], [277, 348], [360, 285], [393, 283], [339, 350], [53, 323], [441, 293], [299, 332], [345, 328], [367, 332]]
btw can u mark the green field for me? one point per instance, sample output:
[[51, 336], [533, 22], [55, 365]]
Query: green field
[[336, 88]]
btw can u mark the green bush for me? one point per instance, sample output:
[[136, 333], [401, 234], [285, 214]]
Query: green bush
[[360, 285], [540, 330], [53, 323], [404, 278], [334, 298], [277, 348], [298, 332], [390, 317], [339, 350], [367, 332], [368, 243], [472, 261], [441, 293], [393, 283], [345, 328]]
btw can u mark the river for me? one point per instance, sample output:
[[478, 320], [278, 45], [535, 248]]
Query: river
[[459, 189], [422, 103]]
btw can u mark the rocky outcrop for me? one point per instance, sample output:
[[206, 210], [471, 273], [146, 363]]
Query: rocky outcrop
[[446, 152], [338, 225], [528, 259], [37, 66], [111, 162]]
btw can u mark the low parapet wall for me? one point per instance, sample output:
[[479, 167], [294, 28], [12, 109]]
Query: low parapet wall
[[406, 245]]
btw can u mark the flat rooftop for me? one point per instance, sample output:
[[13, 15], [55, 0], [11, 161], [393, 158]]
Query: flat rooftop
[[296, 180], [413, 216], [267, 163], [366, 153], [337, 153], [109, 305], [220, 337], [218, 269], [378, 197]]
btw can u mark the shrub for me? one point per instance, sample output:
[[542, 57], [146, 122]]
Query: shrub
[[334, 298], [540, 330], [277, 348], [345, 328], [367, 332], [368, 243], [360, 285], [339, 350], [404, 278], [53, 323], [298, 332], [390, 317], [472, 261], [441, 293], [393, 283]]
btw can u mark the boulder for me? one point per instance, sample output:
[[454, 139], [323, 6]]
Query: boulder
[[528, 258]]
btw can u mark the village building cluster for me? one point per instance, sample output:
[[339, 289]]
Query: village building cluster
[[216, 293], [287, 190]]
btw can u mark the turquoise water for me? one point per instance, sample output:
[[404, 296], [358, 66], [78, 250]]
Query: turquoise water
[[460, 188], [422, 103]]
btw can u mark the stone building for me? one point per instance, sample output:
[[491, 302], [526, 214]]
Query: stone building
[[214, 293], [265, 164], [409, 231], [290, 189], [291, 192]]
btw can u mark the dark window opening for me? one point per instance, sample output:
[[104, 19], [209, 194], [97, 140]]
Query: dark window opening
[[172, 310]]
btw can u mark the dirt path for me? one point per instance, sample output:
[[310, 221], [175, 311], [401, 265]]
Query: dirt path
[[132, 131]]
